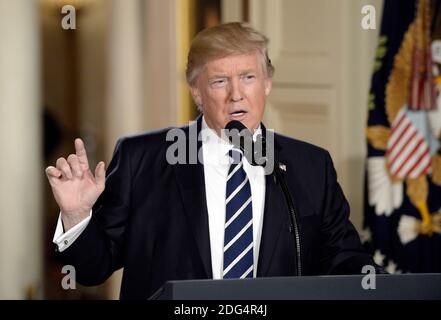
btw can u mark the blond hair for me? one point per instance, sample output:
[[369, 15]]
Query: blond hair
[[224, 40]]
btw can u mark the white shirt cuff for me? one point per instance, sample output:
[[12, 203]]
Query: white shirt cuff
[[64, 239]]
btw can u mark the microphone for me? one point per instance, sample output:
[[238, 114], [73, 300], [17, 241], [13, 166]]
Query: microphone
[[242, 138]]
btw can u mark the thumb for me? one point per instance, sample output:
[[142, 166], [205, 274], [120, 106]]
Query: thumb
[[100, 174]]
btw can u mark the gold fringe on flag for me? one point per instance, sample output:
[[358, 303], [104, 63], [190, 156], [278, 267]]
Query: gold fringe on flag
[[398, 85], [378, 136], [436, 169]]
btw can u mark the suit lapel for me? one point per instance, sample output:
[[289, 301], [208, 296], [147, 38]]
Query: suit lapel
[[191, 182], [274, 219]]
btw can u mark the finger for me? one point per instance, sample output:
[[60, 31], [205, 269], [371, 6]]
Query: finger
[[100, 174], [53, 175], [53, 172], [64, 167], [74, 163], [81, 153]]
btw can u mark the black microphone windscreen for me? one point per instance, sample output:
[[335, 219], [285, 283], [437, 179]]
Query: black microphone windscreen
[[235, 124]]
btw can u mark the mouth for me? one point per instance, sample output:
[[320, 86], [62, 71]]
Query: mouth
[[238, 114]]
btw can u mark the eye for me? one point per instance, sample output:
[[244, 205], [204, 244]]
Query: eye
[[249, 77], [219, 82]]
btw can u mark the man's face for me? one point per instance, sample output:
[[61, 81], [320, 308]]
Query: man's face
[[232, 88]]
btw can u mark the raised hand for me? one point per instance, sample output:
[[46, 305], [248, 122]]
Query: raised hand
[[74, 186]]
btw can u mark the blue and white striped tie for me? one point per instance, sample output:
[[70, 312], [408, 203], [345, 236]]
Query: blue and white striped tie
[[238, 242]]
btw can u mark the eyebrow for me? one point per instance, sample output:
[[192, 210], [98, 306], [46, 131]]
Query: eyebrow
[[217, 76], [247, 72]]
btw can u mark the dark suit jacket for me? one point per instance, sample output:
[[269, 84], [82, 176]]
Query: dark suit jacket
[[152, 219]]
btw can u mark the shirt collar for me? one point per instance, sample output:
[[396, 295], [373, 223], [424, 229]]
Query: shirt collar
[[217, 148]]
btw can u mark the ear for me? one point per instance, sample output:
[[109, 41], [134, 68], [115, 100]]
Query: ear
[[196, 94], [268, 86]]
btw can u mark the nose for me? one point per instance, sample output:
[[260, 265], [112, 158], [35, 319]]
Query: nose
[[236, 94]]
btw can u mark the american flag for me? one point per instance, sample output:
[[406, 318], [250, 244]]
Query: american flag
[[408, 153]]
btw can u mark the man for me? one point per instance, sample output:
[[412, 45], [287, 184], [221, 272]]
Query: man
[[216, 219]]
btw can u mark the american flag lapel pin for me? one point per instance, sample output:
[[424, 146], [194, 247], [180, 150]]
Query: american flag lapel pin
[[282, 166]]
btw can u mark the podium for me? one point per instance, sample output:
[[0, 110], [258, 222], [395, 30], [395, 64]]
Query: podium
[[349, 287]]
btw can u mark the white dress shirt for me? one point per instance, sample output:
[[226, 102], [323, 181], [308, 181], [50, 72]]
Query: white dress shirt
[[216, 165]]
